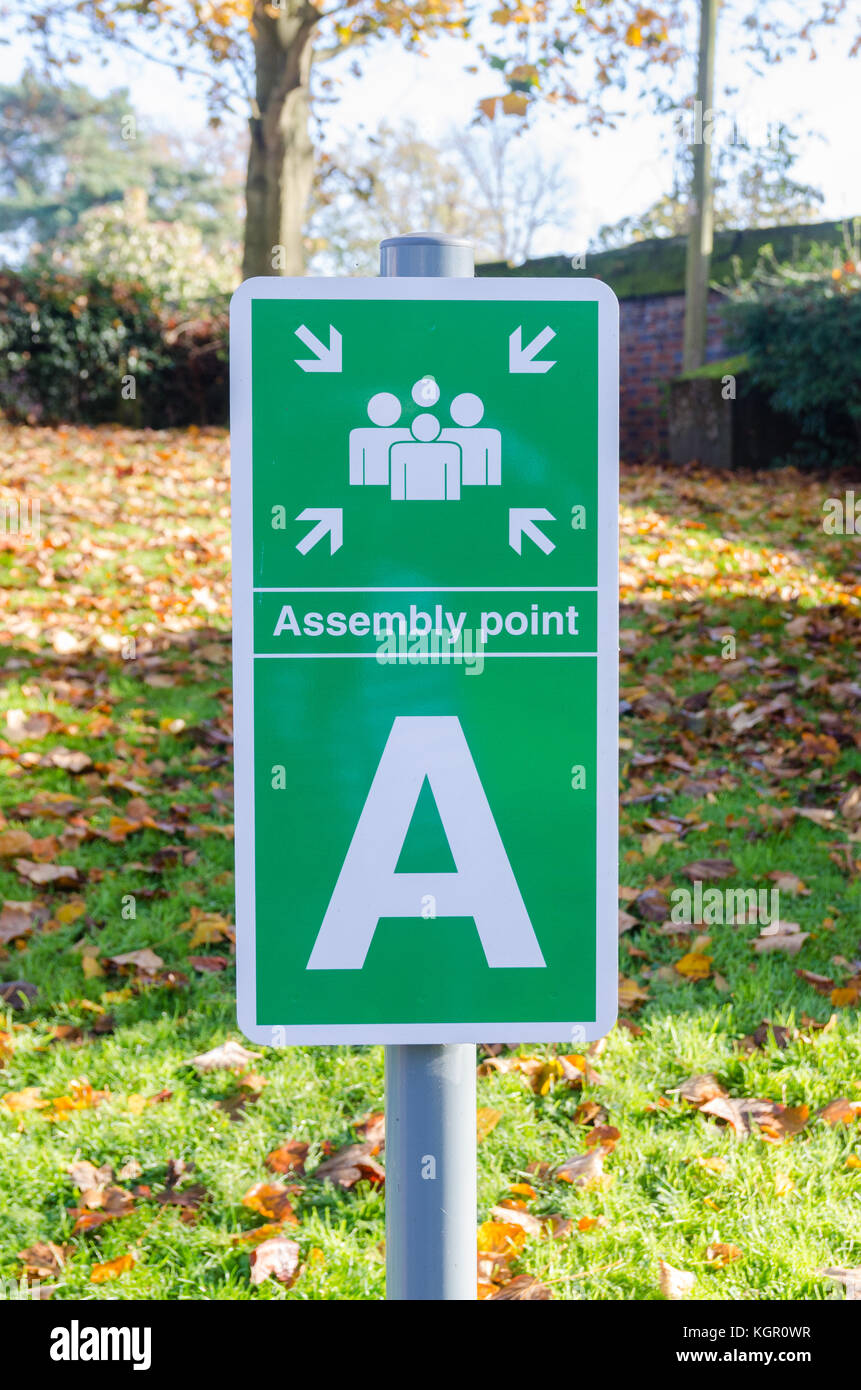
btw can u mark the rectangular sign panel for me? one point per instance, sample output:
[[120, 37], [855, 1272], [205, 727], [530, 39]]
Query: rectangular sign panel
[[425, 478]]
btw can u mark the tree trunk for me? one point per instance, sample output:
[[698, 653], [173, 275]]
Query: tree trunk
[[701, 225], [281, 155]]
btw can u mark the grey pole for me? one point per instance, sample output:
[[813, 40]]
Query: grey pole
[[430, 1090]]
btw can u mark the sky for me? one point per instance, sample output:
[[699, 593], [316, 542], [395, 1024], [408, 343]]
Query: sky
[[612, 175]]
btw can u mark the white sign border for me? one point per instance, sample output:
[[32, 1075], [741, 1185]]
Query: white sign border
[[530, 290]]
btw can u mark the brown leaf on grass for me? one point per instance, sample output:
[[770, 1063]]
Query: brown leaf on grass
[[627, 921], [581, 1169], [589, 1112], [486, 1119], [701, 1088], [143, 964], [775, 1122], [228, 1056], [277, 1258], [653, 905], [86, 1175], [86, 1220], [850, 804], [15, 842], [781, 936], [768, 1034], [709, 870], [272, 1200], [349, 1165], [18, 994], [44, 1260], [60, 875], [821, 983], [289, 1158], [514, 1210], [69, 759], [841, 1111], [372, 1129], [675, 1284], [523, 1288], [100, 1274], [212, 965], [16, 920], [720, 1254], [605, 1137], [188, 1198], [787, 882]]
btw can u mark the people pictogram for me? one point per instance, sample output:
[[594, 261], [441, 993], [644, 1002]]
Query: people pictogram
[[425, 462]]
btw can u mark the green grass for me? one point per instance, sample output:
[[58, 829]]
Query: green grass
[[699, 555]]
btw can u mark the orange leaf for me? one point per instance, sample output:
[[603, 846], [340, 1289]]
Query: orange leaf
[[486, 1119], [100, 1274]]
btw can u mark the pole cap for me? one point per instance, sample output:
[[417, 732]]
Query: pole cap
[[427, 253]]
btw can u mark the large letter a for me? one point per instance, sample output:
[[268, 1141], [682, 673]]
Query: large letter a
[[368, 887]]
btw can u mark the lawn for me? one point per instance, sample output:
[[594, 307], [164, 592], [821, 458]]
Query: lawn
[[741, 747]]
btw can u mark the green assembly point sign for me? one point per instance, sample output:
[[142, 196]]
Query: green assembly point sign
[[425, 479]]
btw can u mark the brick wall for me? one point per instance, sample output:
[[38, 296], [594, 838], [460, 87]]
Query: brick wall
[[650, 347]]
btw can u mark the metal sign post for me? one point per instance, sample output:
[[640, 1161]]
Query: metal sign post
[[430, 1091]]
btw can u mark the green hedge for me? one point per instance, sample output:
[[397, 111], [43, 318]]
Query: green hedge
[[802, 338], [66, 344]]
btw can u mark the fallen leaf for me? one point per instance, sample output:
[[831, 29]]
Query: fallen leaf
[[44, 1260], [581, 1169], [719, 1254], [351, 1163], [272, 1200], [228, 1056], [701, 1088], [841, 1111], [708, 870], [100, 1274], [486, 1120], [63, 875], [289, 1158], [277, 1257], [675, 1284]]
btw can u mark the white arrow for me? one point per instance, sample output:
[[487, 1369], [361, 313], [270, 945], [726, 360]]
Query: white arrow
[[330, 521], [521, 522], [328, 359], [520, 358]]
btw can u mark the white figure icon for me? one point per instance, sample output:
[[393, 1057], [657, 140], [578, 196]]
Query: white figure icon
[[425, 463], [370, 446], [425, 469], [481, 449]]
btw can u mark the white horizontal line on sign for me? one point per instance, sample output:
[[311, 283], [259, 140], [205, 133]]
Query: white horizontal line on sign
[[391, 659], [444, 589]]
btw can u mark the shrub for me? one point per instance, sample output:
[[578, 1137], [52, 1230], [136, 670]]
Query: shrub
[[67, 343], [800, 326]]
